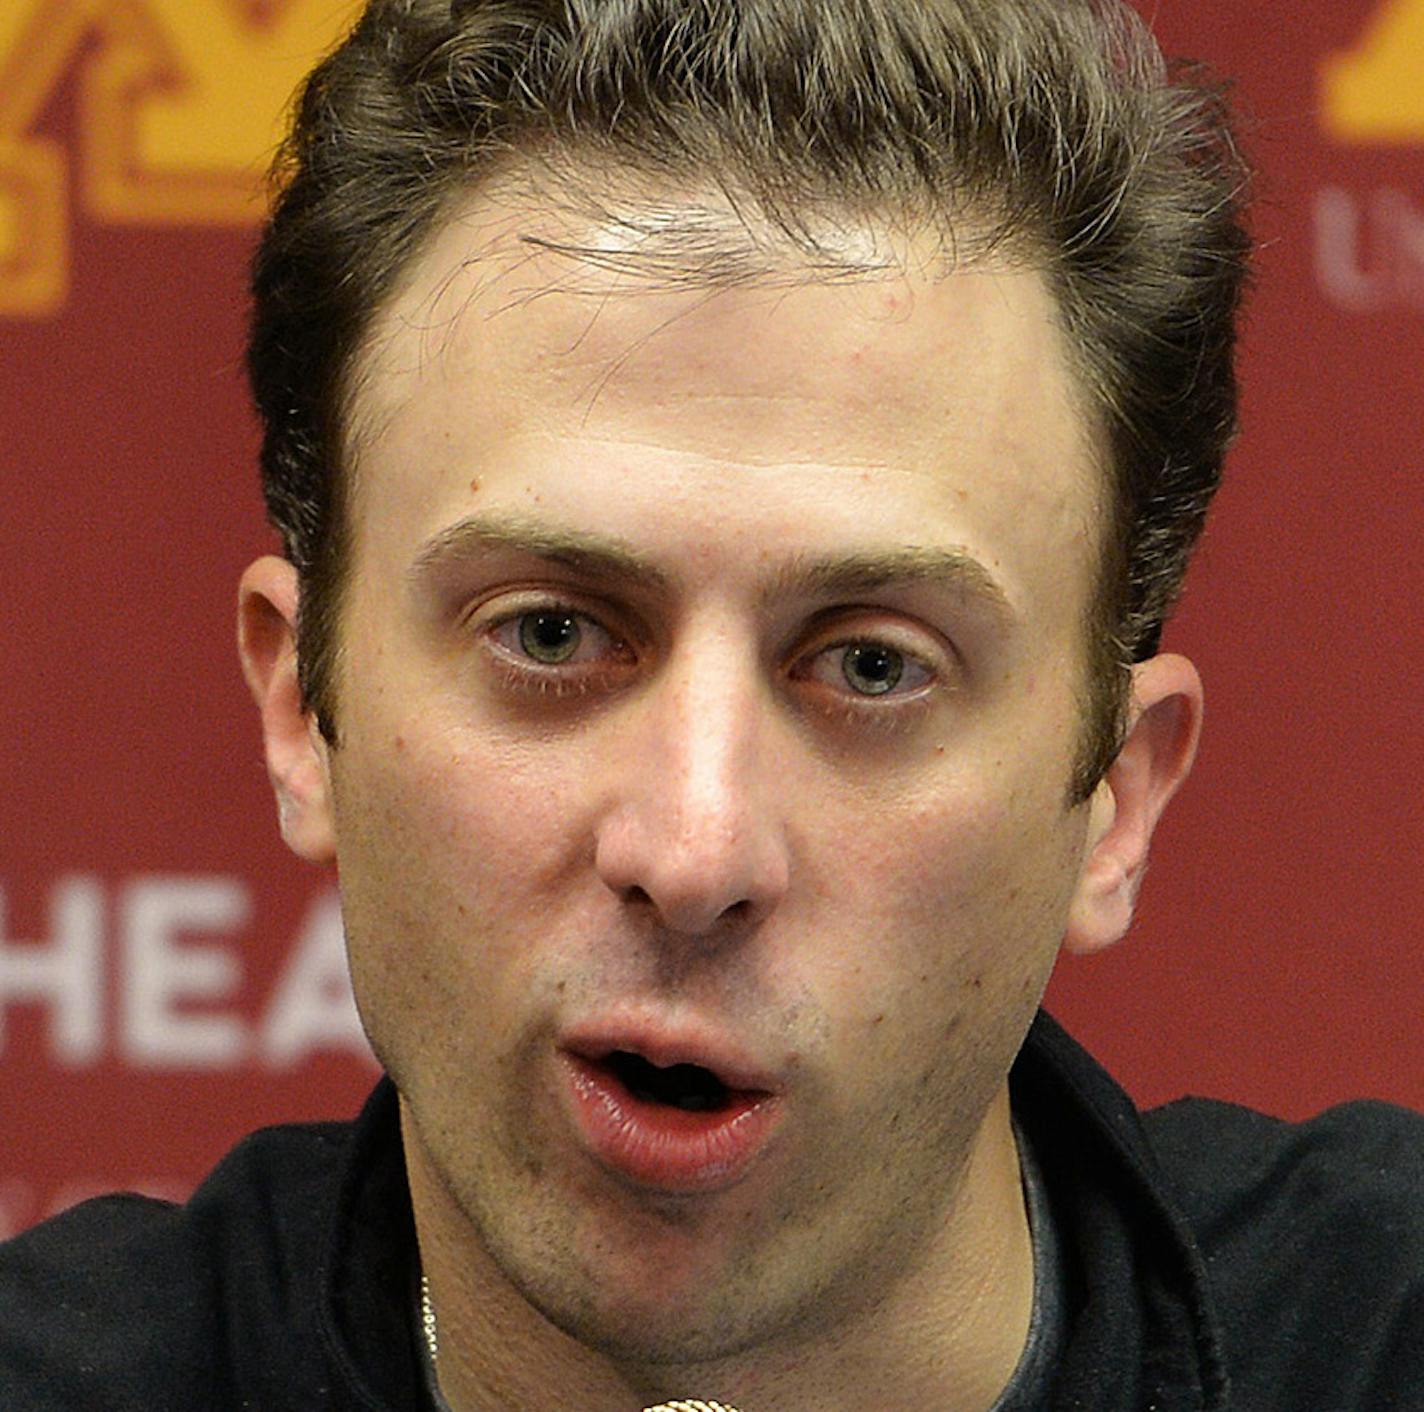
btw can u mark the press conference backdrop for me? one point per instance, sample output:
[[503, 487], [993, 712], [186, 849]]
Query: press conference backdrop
[[170, 977]]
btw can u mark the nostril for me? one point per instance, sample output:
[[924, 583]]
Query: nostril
[[739, 911]]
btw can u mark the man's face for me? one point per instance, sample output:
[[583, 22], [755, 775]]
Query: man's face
[[709, 693]]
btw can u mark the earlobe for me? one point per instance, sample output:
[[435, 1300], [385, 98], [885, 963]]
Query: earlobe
[[296, 756], [1163, 729]]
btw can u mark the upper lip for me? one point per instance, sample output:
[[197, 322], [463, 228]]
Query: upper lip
[[668, 1042]]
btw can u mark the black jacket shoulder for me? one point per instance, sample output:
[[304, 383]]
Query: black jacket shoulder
[[126, 1302], [1313, 1240]]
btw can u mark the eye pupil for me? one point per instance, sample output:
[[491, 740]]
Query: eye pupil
[[549, 637], [872, 670]]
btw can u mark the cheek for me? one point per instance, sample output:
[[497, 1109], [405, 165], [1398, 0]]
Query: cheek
[[471, 825], [448, 858], [959, 900]]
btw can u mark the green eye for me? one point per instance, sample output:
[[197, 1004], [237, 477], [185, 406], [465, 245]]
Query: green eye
[[871, 669], [549, 638]]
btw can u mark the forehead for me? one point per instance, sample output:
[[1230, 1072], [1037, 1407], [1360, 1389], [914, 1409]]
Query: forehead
[[529, 336]]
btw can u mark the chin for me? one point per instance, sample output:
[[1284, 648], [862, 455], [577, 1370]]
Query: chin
[[649, 1329]]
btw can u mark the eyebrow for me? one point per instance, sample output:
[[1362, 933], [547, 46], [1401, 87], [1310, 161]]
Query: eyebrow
[[910, 566], [599, 556], [594, 555]]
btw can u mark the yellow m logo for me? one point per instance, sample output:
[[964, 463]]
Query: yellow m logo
[[178, 107], [1375, 93]]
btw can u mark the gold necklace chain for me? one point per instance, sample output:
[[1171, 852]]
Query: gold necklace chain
[[690, 1406], [432, 1342]]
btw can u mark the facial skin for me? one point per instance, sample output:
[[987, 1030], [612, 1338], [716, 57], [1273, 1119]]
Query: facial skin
[[756, 507]]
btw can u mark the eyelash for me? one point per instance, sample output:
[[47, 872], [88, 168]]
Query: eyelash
[[555, 681], [526, 674]]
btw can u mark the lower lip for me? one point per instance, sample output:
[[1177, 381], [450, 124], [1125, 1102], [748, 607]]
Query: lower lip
[[662, 1147]]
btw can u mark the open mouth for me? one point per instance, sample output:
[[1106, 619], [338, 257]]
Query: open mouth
[[679, 1127], [689, 1087]]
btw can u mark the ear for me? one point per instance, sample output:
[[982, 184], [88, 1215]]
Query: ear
[[296, 754], [1164, 724]]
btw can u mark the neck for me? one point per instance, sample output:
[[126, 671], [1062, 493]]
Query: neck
[[947, 1330]]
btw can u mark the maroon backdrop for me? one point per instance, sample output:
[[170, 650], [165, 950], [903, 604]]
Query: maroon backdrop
[[169, 977]]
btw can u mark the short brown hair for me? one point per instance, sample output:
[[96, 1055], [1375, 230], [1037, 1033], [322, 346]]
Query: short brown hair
[[1051, 128]]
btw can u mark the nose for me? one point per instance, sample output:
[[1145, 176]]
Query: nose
[[695, 825]]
